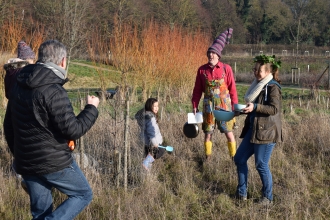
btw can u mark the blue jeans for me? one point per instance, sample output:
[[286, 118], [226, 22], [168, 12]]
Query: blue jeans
[[70, 181], [262, 153]]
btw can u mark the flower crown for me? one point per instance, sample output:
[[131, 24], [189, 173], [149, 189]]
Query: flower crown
[[276, 64]]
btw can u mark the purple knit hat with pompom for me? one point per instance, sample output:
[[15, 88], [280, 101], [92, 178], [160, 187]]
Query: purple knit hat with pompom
[[220, 41], [24, 51]]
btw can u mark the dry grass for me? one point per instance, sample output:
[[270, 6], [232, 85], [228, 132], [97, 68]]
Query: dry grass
[[180, 186]]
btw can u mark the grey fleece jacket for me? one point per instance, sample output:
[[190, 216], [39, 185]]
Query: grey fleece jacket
[[150, 132]]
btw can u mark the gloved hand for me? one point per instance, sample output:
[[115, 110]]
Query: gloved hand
[[71, 144], [237, 113]]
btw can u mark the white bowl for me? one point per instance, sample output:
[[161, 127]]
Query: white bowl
[[223, 115], [239, 107], [195, 118]]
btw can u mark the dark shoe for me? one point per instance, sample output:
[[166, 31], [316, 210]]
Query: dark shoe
[[207, 158], [23, 184], [240, 198], [265, 202]]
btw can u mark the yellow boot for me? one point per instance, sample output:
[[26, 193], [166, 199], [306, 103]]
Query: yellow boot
[[232, 149], [208, 149]]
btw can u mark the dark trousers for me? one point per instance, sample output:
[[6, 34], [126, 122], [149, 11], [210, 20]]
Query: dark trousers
[[156, 152]]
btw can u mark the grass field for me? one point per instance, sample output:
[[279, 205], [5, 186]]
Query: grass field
[[180, 185]]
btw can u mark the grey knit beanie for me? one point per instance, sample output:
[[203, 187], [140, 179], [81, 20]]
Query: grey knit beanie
[[24, 51]]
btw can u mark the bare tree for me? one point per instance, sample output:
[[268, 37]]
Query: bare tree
[[4, 10], [75, 23], [299, 10], [175, 12], [65, 20]]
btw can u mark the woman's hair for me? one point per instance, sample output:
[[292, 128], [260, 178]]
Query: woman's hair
[[271, 64], [149, 104], [274, 71], [269, 67]]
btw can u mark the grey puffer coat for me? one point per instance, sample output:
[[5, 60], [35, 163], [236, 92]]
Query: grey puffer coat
[[265, 121], [40, 120], [150, 132]]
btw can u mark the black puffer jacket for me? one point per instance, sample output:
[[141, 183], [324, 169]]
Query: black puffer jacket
[[40, 120]]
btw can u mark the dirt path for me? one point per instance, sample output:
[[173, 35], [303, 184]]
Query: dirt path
[[94, 67]]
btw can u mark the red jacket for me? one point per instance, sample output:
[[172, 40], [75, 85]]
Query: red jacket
[[215, 73]]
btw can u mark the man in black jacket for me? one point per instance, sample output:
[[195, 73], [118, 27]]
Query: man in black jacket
[[38, 124]]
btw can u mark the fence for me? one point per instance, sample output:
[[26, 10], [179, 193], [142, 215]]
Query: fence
[[278, 50]]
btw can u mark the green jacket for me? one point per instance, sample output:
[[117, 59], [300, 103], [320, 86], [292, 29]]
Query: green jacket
[[266, 119]]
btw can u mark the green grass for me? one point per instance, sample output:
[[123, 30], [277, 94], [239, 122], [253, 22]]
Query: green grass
[[241, 90], [88, 62], [89, 75], [82, 71], [91, 71]]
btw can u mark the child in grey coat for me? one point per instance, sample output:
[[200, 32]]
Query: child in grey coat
[[150, 135]]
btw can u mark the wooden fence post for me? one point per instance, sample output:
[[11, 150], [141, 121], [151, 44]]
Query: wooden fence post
[[118, 169], [81, 140], [126, 143], [2, 134]]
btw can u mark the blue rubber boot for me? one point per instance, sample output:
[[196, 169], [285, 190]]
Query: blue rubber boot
[[147, 162]]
